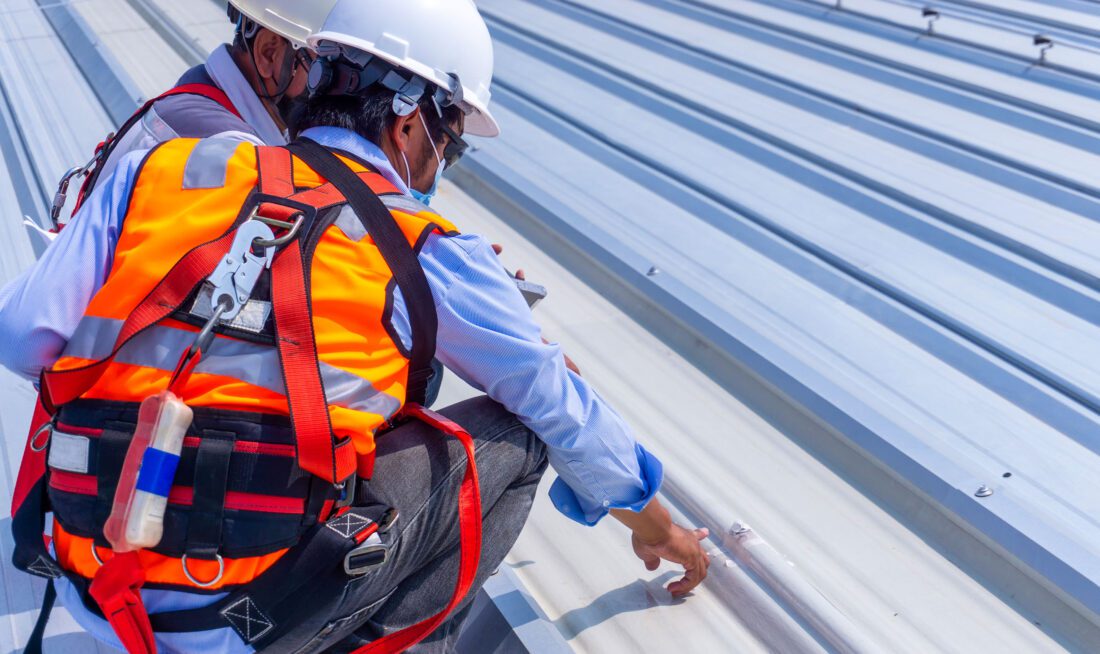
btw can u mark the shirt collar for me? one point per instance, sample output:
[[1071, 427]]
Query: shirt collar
[[224, 71], [339, 138]]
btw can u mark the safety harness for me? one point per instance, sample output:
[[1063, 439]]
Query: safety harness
[[336, 540], [91, 171]]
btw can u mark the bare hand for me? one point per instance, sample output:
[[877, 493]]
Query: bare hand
[[681, 546]]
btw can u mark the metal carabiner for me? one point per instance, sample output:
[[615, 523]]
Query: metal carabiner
[[236, 276], [62, 195], [293, 228]]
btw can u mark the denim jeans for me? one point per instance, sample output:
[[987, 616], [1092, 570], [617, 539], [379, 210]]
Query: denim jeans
[[418, 471]]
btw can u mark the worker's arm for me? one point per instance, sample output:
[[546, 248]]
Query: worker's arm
[[488, 337], [657, 537], [40, 309]]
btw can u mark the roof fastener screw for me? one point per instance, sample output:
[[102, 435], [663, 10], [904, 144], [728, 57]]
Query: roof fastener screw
[[983, 491], [653, 272]]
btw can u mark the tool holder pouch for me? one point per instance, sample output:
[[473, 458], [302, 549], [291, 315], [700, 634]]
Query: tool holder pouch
[[237, 492]]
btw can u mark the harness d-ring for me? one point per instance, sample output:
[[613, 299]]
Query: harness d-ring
[[44, 429], [200, 584], [95, 554]]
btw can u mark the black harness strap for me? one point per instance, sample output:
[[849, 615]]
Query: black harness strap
[[34, 643], [397, 252], [286, 595], [204, 526], [113, 445]]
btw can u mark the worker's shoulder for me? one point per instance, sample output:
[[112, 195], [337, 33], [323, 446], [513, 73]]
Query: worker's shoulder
[[410, 206], [196, 116]]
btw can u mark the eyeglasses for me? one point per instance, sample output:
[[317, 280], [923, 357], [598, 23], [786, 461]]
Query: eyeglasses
[[456, 147]]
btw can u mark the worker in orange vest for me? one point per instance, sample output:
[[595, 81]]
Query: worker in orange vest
[[237, 456]]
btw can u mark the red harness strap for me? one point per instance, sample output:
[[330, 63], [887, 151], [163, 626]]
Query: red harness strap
[[318, 453], [116, 588], [33, 466], [469, 543], [60, 387], [309, 412], [117, 585], [207, 91]]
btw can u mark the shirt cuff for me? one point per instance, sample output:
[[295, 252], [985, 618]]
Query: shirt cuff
[[569, 503]]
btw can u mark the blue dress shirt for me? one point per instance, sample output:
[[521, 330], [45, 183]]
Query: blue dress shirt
[[487, 336]]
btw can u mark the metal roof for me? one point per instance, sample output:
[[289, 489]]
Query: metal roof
[[838, 271]]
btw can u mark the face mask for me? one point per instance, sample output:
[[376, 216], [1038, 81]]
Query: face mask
[[426, 198]]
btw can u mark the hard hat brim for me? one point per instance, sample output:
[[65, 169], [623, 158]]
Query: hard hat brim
[[482, 123]]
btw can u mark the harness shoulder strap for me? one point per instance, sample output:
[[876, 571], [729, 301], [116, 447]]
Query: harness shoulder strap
[[105, 149], [208, 91], [395, 249]]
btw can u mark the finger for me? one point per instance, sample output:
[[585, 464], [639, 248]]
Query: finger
[[498, 249], [652, 564], [520, 275], [692, 578], [702, 533]]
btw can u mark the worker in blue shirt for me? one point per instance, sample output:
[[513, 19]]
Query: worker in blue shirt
[[404, 117]]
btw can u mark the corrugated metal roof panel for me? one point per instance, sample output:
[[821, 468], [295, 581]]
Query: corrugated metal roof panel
[[837, 273]]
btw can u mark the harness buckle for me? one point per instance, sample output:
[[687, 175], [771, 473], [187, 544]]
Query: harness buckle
[[348, 491], [372, 554]]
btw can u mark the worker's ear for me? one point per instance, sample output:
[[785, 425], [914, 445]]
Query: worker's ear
[[268, 52], [401, 130]]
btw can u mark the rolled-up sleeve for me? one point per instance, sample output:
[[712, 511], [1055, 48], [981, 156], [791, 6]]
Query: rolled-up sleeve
[[489, 338]]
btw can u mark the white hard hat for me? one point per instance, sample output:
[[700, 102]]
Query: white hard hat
[[440, 41], [294, 20]]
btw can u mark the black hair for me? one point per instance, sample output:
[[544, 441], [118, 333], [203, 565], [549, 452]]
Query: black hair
[[245, 30], [370, 114]]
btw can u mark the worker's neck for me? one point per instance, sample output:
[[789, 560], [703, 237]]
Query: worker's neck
[[245, 64]]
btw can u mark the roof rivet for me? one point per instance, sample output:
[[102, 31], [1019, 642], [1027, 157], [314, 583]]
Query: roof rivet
[[653, 272], [983, 491]]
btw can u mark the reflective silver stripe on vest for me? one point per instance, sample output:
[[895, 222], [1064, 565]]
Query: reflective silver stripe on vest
[[208, 164], [161, 347], [353, 228], [406, 204], [350, 224]]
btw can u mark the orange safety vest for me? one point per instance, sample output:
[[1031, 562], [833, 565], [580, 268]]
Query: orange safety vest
[[287, 396], [180, 201]]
